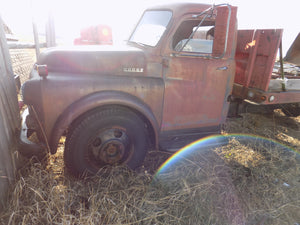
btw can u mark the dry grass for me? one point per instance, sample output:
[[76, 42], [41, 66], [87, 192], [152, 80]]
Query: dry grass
[[243, 182], [267, 181]]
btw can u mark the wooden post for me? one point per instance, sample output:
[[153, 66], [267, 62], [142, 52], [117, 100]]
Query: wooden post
[[4, 48], [9, 118], [50, 31], [281, 66], [36, 39]]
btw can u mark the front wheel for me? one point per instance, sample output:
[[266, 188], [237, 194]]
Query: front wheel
[[107, 137]]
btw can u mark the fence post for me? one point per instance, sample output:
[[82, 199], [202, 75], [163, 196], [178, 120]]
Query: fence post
[[50, 31], [36, 39]]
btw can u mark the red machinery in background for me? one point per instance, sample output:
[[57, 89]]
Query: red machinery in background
[[95, 35]]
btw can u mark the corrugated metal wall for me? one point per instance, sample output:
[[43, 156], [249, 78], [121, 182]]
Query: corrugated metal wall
[[9, 118]]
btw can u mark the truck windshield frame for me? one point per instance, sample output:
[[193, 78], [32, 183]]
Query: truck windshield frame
[[151, 27]]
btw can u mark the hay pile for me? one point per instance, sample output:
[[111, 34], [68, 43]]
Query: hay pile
[[238, 183]]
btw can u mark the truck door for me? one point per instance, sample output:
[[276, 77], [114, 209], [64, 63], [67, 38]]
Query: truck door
[[199, 71]]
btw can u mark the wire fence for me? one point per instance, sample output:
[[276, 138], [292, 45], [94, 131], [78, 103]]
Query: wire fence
[[22, 62]]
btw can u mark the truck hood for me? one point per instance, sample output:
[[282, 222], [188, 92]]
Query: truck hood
[[94, 60]]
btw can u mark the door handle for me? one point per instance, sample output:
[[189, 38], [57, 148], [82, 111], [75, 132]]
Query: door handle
[[165, 62], [222, 68]]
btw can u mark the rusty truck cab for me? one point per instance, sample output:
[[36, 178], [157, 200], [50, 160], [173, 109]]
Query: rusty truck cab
[[198, 67], [168, 86]]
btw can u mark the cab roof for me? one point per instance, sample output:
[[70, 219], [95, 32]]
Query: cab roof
[[181, 8]]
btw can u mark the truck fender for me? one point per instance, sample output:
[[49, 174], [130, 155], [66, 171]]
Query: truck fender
[[97, 100]]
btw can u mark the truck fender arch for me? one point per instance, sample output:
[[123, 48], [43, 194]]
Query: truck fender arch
[[97, 100]]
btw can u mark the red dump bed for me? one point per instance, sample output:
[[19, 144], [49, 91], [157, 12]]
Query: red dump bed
[[255, 57]]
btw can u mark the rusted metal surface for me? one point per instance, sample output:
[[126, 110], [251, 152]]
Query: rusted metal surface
[[266, 97], [255, 77], [293, 54], [106, 60], [255, 57], [84, 92], [189, 95], [171, 92], [9, 118], [196, 88], [97, 100]]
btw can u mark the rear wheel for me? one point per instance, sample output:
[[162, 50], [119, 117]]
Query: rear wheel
[[108, 137]]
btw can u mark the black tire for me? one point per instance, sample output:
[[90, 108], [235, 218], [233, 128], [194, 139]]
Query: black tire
[[110, 136], [291, 110]]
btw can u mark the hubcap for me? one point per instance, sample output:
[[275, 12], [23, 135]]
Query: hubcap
[[112, 151], [110, 146]]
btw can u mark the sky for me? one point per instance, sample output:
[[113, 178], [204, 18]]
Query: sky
[[122, 15]]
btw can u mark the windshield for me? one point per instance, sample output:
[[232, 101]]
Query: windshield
[[151, 27]]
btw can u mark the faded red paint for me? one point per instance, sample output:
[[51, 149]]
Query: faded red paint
[[176, 92], [263, 97], [196, 89], [173, 91], [255, 57]]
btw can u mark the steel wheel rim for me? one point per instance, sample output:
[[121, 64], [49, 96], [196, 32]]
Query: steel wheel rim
[[109, 147]]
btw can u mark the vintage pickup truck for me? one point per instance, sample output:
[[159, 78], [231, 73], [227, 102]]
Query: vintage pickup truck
[[172, 83]]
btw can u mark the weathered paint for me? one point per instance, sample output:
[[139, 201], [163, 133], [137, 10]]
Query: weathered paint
[[179, 92], [97, 100], [265, 97], [197, 88], [9, 118], [107, 60], [255, 57], [76, 87]]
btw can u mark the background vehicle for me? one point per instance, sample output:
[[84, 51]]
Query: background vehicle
[[182, 67], [95, 35]]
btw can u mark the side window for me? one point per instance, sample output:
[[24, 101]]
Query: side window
[[190, 37]]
